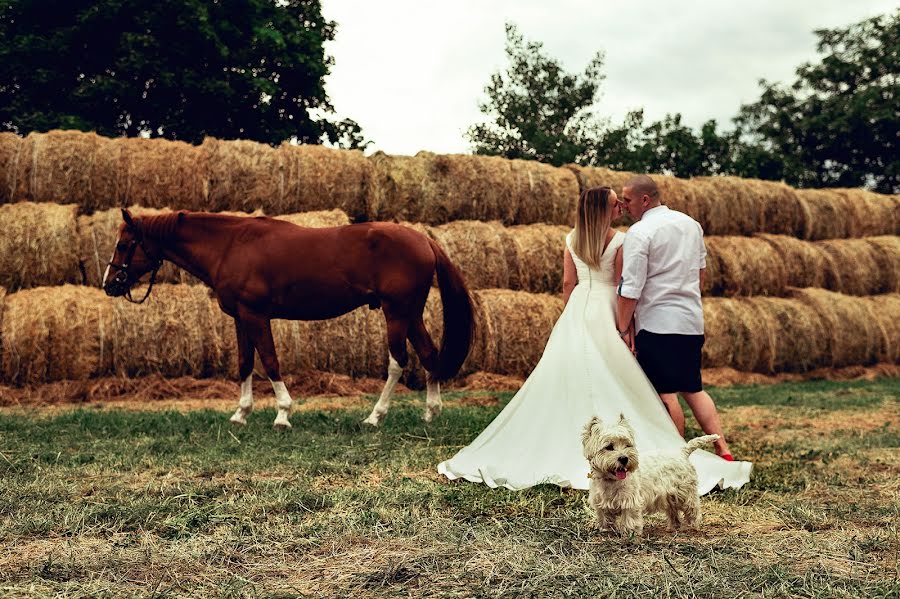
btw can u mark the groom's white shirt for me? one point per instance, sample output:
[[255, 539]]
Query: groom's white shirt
[[662, 255]]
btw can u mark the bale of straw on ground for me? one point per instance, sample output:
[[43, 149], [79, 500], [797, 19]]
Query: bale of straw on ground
[[68, 167], [738, 335], [744, 266], [438, 188], [320, 178], [39, 245], [158, 173], [725, 206], [804, 263], [478, 250], [857, 267], [884, 312], [10, 154], [243, 175], [851, 337], [800, 342]]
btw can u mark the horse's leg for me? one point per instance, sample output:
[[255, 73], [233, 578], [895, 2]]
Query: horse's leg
[[396, 331], [259, 329], [245, 369], [428, 355]]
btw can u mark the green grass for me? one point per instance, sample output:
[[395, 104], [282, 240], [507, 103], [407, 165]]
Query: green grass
[[102, 502]]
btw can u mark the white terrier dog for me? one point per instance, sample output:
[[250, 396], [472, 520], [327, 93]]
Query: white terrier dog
[[621, 492]]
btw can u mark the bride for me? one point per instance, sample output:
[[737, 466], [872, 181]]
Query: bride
[[585, 370]]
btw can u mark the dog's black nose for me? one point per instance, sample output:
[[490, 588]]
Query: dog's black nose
[[623, 460]]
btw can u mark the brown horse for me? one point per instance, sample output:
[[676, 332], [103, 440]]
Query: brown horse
[[261, 268]]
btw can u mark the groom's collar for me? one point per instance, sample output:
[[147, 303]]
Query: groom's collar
[[655, 209]]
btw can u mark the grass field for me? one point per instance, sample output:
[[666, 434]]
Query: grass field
[[135, 500]]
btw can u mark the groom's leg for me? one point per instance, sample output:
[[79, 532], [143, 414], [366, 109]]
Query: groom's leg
[[707, 416], [670, 400]]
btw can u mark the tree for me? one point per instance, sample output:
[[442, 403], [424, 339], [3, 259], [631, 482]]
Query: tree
[[250, 69], [539, 111], [837, 125]]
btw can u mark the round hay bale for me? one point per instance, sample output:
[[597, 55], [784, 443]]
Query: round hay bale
[[592, 176], [738, 334], [534, 257], [10, 154], [68, 167], [887, 255], [679, 194], [320, 178], [718, 348], [780, 210], [243, 175], [727, 205], [804, 263], [438, 188], [518, 325], [874, 213], [857, 267], [478, 250], [39, 245], [830, 215], [798, 332], [884, 311], [850, 336], [317, 219], [157, 173], [744, 266]]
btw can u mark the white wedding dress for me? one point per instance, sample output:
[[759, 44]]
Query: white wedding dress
[[585, 370]]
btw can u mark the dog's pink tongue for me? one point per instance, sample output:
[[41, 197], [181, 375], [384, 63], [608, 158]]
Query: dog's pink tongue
[[621, 474]]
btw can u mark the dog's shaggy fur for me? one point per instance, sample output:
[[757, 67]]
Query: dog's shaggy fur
[[625, 486]]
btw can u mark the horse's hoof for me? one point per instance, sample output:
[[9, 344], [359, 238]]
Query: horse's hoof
[[237, 419], [430, 414], [372, 420], [283, 425]]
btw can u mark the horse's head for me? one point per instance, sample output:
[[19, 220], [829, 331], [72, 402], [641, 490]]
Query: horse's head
[[134, 256]]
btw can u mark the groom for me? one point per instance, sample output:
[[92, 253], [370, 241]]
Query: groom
[[664, 265]]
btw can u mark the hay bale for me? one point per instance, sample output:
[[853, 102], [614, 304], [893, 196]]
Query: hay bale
[[68, 167], [804, 263], [874, 213], [157, 173], [478, 250], [780, 210], [850, 336], [593, 176], [726, 206], [857, 267], [438, 188], [830, 215], [884, 312], [799, 339], [39, 245], [744, 266], [887, 255], [10, 153], [738, 334], [534, 257], [320, 178], [317, 219], [243, 175], [74, 332]]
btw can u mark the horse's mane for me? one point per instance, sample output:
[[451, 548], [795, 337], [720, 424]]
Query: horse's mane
[[160, 227]]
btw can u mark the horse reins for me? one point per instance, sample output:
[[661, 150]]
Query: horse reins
[[121, 277]]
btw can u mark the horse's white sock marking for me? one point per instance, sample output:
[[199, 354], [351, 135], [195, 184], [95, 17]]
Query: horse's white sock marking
[[432, 400], [245, 403], [384, 402], [284, 402]]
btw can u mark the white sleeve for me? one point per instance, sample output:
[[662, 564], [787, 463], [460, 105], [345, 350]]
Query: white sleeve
[[635, 253], [701, 254]]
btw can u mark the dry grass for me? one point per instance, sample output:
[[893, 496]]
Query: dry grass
[[38, 245], [109, 502]]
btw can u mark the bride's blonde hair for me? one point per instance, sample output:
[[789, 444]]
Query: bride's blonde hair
[[595, 209]]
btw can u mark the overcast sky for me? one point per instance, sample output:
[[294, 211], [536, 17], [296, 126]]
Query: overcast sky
[[411, 72]]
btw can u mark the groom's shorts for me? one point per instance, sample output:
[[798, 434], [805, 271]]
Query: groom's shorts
[[671, 362]]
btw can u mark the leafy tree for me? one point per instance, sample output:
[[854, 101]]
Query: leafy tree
[[539, 111], [837, 125], [179, 69]]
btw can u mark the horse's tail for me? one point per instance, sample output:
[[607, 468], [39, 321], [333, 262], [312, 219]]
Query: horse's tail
[[459, 317], [697, 443]]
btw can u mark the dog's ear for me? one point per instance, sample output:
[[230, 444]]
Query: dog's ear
[[589, 429], [623, 422]]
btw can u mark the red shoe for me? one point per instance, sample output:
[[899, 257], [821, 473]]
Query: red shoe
[[727, 457]]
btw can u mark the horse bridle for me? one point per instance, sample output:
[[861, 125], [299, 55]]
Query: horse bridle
[[122, 275]]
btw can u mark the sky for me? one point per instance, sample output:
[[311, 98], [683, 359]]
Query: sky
[[412, 72]]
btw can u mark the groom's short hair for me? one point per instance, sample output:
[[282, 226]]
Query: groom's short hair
[[643, 185]]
